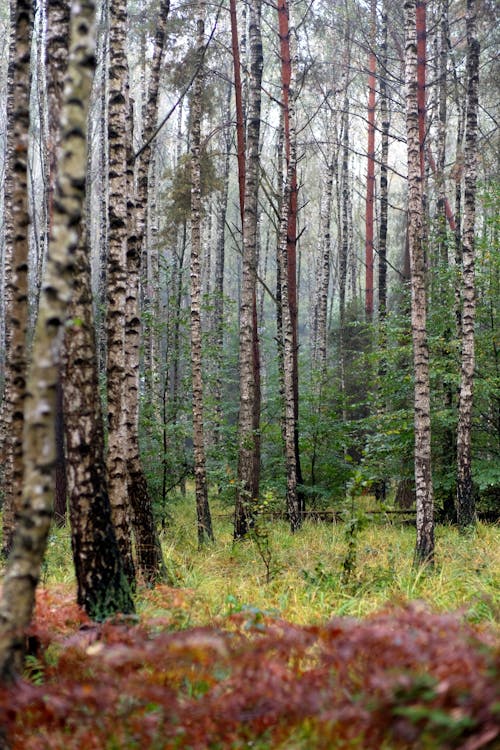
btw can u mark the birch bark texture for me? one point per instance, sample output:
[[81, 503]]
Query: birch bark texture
[[370, 181], [204, 521], [465, 495], [102, 588], [39, 443], [424, 551], [118, 124], [147, 544], [249, 396], [288, 272], [16, 262], [384, 159]]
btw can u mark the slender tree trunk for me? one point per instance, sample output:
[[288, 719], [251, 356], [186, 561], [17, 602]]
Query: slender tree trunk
[[444, 217], [293, 504], [370, 181], [56, 59], [205, 532], [23, 569], [320, 337], [16, 263], [441, 139], [423, 478], [102, 280], [380, 485], [421, 31], [118, 119], [147, 544], [288, 241], [102, 586], [384, 158], [143, 167], [218, 313], [465, 496], [344, 247], [249, 441], [238, 93]]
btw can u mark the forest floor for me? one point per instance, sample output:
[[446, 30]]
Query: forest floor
[[328, 638]]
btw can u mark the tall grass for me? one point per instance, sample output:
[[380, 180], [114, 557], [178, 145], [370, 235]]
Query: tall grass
[[307, 577]]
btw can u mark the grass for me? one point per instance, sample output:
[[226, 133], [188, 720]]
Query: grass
[[306, 569], [143, 682]]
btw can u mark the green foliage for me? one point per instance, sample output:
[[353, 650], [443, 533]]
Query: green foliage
[[179, 186]]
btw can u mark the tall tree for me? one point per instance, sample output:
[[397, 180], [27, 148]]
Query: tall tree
[[384, 157], [56, 58], [23, 569], [147, 544], [248, 437], [16, 262], [423, 478], [220, 262], [288, 275], [205, 532], [370, 180], [102, 586], [325, 240], [465, 494], [118, 139]]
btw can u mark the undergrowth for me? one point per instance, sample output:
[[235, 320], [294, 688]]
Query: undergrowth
[[325, 569], [404, 678], [249, 649]]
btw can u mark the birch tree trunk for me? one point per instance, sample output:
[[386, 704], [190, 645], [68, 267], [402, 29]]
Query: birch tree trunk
[[384, 158], [466, 511], [147, 544], [102, 588], [424, 551], [288, 275], [16, 262], [320, 344], [205, 532], [292, 499], [370, 182], [220, 257], [23, 569], [118, 120], [249, 443], [56, 59]]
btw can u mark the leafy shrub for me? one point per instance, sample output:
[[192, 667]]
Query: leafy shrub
[[400, 679]]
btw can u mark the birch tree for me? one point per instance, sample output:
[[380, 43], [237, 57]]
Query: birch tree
[[16, 262], [205, 532], [422, 457], [465, 495], [248, 437], [39, 449], [118, 139]]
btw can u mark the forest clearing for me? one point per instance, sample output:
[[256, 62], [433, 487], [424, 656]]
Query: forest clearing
[[249, 374]]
